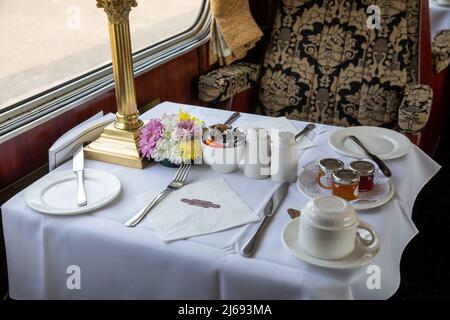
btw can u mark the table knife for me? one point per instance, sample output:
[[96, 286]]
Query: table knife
[[277, 197], [383, 167], [78, 168]]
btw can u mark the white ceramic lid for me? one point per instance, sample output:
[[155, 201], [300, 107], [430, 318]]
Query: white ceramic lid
[[330, 212], [283, 138], [256, 133]]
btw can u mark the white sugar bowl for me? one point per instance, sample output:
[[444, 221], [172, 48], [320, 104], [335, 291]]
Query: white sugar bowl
[[328, 228]]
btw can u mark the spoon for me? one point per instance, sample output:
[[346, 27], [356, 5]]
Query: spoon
[[232, 118], [305, 130]]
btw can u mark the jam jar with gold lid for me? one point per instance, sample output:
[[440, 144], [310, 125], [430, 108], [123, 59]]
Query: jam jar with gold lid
[[366, 171], [326, 168], [345, 184]]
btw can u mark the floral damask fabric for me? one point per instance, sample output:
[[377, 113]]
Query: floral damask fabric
[[413, 30], [415, 108], [441, 50], [223, 83], [325, 65]]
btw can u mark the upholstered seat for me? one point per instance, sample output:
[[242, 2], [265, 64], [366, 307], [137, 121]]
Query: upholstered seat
[[441, 50], [325, 65]]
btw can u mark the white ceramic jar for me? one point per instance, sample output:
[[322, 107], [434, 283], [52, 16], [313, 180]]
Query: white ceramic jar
[[223, 160], [284, 157], [328, 228], [257, 154]]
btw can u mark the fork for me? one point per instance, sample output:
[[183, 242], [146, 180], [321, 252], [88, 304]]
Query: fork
[[177, 182]]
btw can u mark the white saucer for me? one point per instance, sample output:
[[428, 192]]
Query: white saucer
[[382, 192], [385, 143], [56, 192], [358, 258]]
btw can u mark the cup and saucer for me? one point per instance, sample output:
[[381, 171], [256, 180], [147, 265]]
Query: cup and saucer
[[329, 234]]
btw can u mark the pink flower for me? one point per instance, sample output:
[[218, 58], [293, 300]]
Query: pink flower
[[150, 134]]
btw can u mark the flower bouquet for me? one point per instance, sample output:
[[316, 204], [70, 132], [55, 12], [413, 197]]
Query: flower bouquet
[[172, 139]]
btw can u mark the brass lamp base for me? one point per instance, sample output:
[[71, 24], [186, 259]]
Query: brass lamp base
[[116, 146]]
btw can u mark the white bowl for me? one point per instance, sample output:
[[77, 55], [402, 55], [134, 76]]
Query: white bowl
[[223, 160]]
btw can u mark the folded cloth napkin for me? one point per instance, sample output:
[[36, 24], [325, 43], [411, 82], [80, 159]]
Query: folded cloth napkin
[[199, 208], [89, 130], [283, 124]]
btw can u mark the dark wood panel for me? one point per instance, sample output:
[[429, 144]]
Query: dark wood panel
[[174, 81], [29, 150]]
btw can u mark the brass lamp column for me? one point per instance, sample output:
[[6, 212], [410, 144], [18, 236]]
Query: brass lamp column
[[119, 143]]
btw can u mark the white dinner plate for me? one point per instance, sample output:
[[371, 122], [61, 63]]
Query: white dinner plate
[[385, 143], [56, 192], [358, 258], [382, 192]]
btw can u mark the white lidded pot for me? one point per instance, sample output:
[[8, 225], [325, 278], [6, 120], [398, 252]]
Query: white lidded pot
[[257, 153], [284, 157], [328, 228]]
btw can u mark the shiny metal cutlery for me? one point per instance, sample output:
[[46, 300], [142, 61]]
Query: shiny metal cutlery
[[177, 182], [305, 130], [277, 197], [383, 167], [232, 118], [78, 168]]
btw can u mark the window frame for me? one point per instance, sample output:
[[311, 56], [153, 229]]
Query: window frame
[[35, 110]]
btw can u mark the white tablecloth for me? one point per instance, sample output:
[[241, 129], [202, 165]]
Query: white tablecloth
[[133, 263], [439, 18]]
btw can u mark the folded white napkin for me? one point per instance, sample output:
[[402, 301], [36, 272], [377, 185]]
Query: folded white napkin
[[199, 208], [284, 125], [89, 130]]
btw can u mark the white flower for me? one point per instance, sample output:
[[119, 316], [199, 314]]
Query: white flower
[[168, 146]]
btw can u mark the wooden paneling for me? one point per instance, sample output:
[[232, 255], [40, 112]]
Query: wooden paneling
[[29, 150], [174, 81]]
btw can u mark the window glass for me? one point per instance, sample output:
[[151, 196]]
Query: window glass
[[47, 42]]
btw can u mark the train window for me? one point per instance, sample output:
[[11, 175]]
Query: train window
[[56, 49]]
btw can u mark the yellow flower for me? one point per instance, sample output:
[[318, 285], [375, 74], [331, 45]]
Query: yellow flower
[[190, 149], [184, 116]]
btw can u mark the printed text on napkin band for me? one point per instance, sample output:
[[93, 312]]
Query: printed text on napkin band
[[200, 203]]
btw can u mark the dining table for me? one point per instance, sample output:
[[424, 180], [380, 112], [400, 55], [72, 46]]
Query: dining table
[[118, 262]]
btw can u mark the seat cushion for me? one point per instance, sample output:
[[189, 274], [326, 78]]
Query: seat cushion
[[225, 82], [415, 108], [325, 65]]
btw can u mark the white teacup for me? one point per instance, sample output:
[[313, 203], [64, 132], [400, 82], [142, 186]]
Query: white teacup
[[328, 228]]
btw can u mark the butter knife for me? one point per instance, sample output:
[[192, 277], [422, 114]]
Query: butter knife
[[78, 168], [277, 197], [383, 167]]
